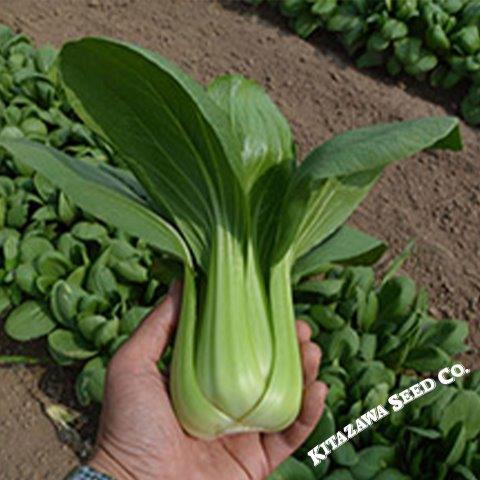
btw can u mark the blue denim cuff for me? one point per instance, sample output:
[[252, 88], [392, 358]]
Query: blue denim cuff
[[87, 473]]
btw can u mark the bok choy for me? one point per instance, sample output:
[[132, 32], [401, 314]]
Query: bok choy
[[212, 180]]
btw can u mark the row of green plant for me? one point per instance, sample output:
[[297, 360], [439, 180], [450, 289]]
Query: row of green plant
[[63, 274], [433, 40], [377, 337], [84, 286]]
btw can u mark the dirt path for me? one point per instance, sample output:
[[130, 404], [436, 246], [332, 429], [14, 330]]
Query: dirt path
[[30, 448], [434, 198]]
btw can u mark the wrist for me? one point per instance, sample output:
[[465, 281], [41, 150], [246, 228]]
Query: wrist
[[107, 464]]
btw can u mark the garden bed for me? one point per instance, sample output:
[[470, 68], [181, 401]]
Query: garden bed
[[434, 199]]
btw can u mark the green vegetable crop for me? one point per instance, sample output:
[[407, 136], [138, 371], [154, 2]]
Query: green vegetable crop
[[57, 264], [215, 185], [363, 358], [434, 39], [374, 334]]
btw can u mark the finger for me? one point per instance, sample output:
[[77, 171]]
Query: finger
[[311, 356], [278, 446], [245, 448], [152, 336], [304, 332]]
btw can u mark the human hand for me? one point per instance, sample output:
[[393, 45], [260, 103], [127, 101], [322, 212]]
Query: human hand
[[140, 438]]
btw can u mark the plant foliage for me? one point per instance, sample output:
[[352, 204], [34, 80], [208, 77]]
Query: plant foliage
[[434, 40], [85, 285], [214, 184]]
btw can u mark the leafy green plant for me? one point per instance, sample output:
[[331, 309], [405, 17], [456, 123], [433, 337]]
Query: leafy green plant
[[366, 354], [434, 39], [345, 290], [61, 270], [219, 165]]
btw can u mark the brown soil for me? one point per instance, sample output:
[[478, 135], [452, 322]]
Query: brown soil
[[434, 198]]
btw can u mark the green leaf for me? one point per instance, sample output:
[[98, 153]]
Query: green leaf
[[374, 374], [33, 246], [93, 303], [262, 130], [463, 409], [324, 7], [427, 359], [376, 43], [346, 245], [437, 39], [106, 333], [25, 277], [44, 283], [89, 231], [64, 299], [468, 39], [449, 335], [10, 250], [53, 264], [437, 401], [343, 342], [429, 433], [345, 455], [102, 281], [325, 207], [470, 106], [132, 318], [392, 474], [73, 249], [340, 474], [89, 324], [396, 298], [28, 321], [70, 345], [327, 318], [126, 96], [368, 346], [397, 262], [407, 50], [106, 196], [327, 288], [472, 382], [45, 214], [45, 57], [291, 8], [424, 64], [19, 360], [44, 187], [90, 382], [377, 146], [394, 29], [131, 270], [372, 461], [367, 310], [306, 23], [335, 177], [291, 469], [465, 472], [3, 211], [456, 442], [4, 300]]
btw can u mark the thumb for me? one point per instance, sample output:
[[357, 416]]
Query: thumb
[[153, 334]]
